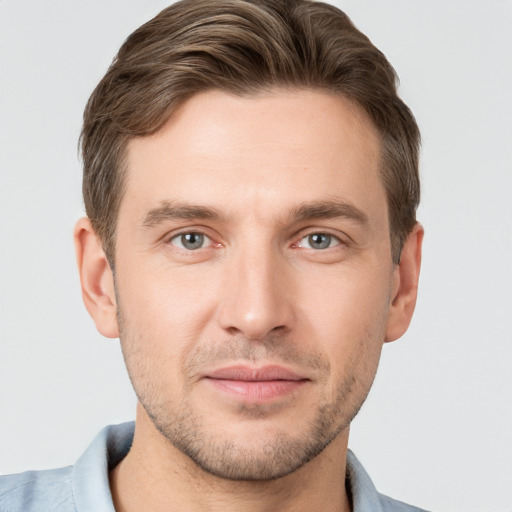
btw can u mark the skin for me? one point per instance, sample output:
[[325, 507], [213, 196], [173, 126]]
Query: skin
[[263, 179]]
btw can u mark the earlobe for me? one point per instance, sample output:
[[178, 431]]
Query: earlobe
[[96, 279], [405, 286]]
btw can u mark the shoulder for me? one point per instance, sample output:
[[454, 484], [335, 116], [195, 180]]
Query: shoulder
[[364, 494], [41, 491], [390, 505], [83, 486]]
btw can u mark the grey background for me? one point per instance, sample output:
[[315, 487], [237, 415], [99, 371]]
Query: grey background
[[436, 428]]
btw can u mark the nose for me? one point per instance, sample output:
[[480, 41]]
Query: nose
[[256, 295]]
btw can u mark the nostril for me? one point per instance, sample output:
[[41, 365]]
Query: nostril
[[234, 331]]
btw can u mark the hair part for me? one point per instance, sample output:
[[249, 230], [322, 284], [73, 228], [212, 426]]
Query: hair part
[[242, 47]]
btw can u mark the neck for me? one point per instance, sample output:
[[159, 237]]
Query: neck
[[156, 477]]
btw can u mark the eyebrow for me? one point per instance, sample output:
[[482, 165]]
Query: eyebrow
[[306, 211], [178, 211], [330, 210]]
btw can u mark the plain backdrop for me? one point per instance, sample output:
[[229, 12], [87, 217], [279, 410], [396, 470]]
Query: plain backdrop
[[436, 429]]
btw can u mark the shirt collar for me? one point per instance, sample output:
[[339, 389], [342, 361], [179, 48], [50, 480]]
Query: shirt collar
[[90, 481], [91, 489]]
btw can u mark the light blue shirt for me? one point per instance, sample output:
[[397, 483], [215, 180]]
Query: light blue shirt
[[84, 487]]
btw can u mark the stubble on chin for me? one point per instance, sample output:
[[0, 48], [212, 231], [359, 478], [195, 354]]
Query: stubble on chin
[[265, 458], [216, 451]]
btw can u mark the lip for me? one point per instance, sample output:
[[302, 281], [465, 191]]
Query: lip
[[248, 374], [256, 385]]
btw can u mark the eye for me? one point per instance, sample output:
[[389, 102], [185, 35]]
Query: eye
[[319, 241], [190, 241]]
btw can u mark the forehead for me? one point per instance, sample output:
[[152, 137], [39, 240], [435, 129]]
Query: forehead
[[276, 149]]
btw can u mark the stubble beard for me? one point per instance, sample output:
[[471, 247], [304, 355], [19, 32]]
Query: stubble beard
[[228, 459], [221, 455]]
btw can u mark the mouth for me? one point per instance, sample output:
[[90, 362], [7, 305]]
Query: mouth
[[256, 385]]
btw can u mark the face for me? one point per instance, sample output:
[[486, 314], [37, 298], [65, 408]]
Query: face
[[254, 277]]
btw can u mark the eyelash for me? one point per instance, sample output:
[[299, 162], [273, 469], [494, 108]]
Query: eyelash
[[331, 237], [297, 244], [177, 236]]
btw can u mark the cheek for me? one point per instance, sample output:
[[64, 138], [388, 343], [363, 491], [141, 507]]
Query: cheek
[[164, 314], [347, 317], [346, 298], [168, 303]]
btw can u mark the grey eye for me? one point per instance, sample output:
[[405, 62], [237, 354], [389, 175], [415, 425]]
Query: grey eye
[[190, 241], [319, 241]]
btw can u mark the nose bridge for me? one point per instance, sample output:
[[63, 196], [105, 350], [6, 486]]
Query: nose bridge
[[255, 291]]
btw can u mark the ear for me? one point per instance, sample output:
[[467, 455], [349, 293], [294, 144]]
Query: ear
[[405, 285], [96, 278]]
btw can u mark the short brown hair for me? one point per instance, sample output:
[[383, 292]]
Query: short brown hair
[[242, 47]]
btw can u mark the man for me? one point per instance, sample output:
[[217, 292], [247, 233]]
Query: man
[[251, 182]]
